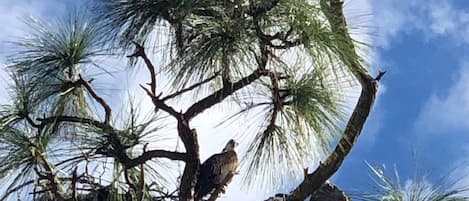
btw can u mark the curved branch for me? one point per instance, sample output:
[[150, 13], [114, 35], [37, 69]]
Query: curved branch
[[352, 131], [101, 101], [314, 180], [140, 52], [160, 104]]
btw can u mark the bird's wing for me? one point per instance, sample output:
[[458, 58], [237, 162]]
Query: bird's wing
[[214, 172], [220, 165]]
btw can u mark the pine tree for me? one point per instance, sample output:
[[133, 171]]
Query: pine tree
[[288, 61]]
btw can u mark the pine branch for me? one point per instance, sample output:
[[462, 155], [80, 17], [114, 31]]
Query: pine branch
[[148, 155], [223, 93], [140, 52], [190, 88], [17, 188], [59, 119], [101, 101], [160, 104], [314, 180]]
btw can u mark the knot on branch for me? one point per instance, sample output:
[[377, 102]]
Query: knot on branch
[[139, 50]]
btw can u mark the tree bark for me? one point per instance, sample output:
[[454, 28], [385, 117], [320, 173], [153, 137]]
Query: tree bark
[[314, 181]]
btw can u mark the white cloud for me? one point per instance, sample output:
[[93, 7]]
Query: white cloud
[[448, 111], [393, 19], [442, 16]]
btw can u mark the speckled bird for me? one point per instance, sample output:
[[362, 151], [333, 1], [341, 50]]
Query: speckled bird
[[216, 170]]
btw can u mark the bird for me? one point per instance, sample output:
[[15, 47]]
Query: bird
[[217, 171]]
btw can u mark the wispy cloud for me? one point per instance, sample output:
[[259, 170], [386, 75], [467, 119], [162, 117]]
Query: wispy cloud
[[394, 19], [447, 111]]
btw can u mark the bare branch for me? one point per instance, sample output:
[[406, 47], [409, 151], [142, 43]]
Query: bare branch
[[159, 104], [58, 119], [223, 93], [140, 52], [148, 155], [101, 101], [190, 88]]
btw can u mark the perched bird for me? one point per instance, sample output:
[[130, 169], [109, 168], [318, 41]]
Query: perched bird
[[217, 171]]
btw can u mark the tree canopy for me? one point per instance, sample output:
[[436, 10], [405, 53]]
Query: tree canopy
[[288, 61]]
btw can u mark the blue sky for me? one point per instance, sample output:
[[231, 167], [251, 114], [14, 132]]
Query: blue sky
[[422, 113]]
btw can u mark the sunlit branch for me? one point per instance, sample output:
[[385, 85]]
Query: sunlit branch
[[49, 175]]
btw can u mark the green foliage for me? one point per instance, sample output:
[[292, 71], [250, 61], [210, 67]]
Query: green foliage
[[46, 65], [300, 105], [391, 188], [305, 124], [134, 20], [216, 44]]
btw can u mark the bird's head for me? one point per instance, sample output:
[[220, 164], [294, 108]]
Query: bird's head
[[230, 146]]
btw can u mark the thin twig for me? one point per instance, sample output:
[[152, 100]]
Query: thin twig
[[190, 88]]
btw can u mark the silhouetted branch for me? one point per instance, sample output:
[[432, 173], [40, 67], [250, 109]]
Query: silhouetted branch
[[223, 93], [101, 101], [160, 104], [140, 52], [190, 88], [14, 189], [148, 155], [59, 119]]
